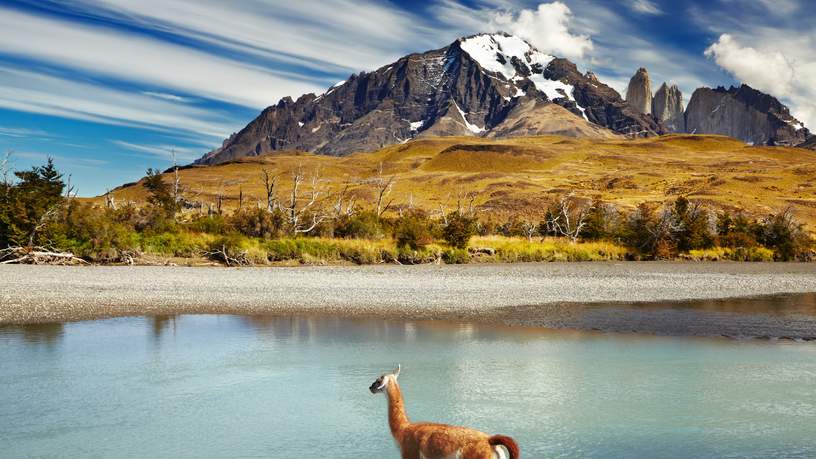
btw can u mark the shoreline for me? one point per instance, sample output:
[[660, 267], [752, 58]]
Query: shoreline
[[750, 300]]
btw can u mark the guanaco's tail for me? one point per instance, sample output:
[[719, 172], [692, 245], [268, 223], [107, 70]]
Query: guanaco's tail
[[507, 442]]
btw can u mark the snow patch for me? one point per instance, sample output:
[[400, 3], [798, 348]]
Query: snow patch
[[490, 50], [552, 88], [300, 123], [470, 127], [417, 125]]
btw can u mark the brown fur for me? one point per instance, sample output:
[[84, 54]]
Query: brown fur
[[439, 441]]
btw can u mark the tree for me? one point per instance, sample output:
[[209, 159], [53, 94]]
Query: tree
[[302, 204], [602, 222], [691, 227], [567, 218], [459, 229], [161, 194], [30, 204], [384, 186], [785, 235]]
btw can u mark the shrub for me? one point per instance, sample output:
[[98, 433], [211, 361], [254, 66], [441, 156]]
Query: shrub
[[364, 225], [256, 222], [459, 229], [455, 256], [785, 235], [95, 234], [413, 230], [211, 224], [691, 226]]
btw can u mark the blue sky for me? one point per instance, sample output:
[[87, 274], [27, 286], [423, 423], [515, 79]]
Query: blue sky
[[110, 87]]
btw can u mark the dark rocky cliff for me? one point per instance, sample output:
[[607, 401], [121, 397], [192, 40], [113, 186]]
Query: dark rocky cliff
[[744, 113]]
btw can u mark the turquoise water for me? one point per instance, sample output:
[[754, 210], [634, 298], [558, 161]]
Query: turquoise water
[[229, 386]]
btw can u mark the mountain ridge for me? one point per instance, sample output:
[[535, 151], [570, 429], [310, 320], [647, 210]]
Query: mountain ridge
[[496, 85], [466, 88]]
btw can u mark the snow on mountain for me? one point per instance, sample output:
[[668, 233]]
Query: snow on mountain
[[515, 59]]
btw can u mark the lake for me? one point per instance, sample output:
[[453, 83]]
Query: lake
[[261, 386]]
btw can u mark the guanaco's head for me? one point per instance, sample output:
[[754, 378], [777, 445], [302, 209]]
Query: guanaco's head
[[383, 381]]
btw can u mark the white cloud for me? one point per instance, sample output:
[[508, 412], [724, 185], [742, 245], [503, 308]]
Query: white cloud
[[645, 7], [783, 66], [134, 58], [546, 28], [752, 66]]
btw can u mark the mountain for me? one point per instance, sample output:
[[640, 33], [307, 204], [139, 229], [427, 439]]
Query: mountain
[[483, 85], [667, 107], [744, 113], [639, 91]]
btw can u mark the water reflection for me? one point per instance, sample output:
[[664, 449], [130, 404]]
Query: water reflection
[[322, 329], [161, 324], [42, 335]]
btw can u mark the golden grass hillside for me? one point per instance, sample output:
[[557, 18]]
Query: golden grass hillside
[[519, 175]]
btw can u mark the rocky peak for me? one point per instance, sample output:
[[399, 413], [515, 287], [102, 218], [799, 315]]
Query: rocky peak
[[744, 113], [639, 91], [667, 106]]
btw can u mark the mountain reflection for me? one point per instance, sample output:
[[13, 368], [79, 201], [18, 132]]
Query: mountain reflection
[[326, 329]]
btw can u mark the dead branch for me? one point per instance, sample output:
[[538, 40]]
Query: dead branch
[[37, 256]]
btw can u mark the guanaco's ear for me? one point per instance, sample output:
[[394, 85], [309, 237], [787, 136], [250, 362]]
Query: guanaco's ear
[[397, 371]]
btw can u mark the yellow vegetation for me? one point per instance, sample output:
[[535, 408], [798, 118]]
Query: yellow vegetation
[[517, 175]]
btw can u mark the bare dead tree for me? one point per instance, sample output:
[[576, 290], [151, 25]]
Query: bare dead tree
[[110, 200], [568, 220], [530, 229], [5, 167], [270, 182], [240, 197], [344, 205], [464, 203], [302, 203], [383, 185], [219, 198], [176, 178]]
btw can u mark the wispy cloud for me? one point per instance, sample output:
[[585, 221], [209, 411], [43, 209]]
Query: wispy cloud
[[645, 7], [23, 132], [330, 35], [164, 151], [62, 160], [134, 58], [166, 96], [51, 95]]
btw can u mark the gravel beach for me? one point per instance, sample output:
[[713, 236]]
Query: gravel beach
[[659, 298]]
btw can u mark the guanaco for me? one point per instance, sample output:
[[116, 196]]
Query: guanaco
[[437, 441]]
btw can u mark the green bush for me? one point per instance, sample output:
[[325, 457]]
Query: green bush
[[455, 256], [210, 224]]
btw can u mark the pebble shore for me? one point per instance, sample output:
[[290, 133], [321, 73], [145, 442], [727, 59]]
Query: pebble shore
[[555, 295]]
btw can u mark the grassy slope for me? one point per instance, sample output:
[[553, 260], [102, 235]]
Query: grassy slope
[[515, 175]]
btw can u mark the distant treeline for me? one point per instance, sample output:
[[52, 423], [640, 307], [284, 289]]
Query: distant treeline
[[38, 213]]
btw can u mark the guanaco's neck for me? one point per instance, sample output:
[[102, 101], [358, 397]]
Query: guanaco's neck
[[397, 419]]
